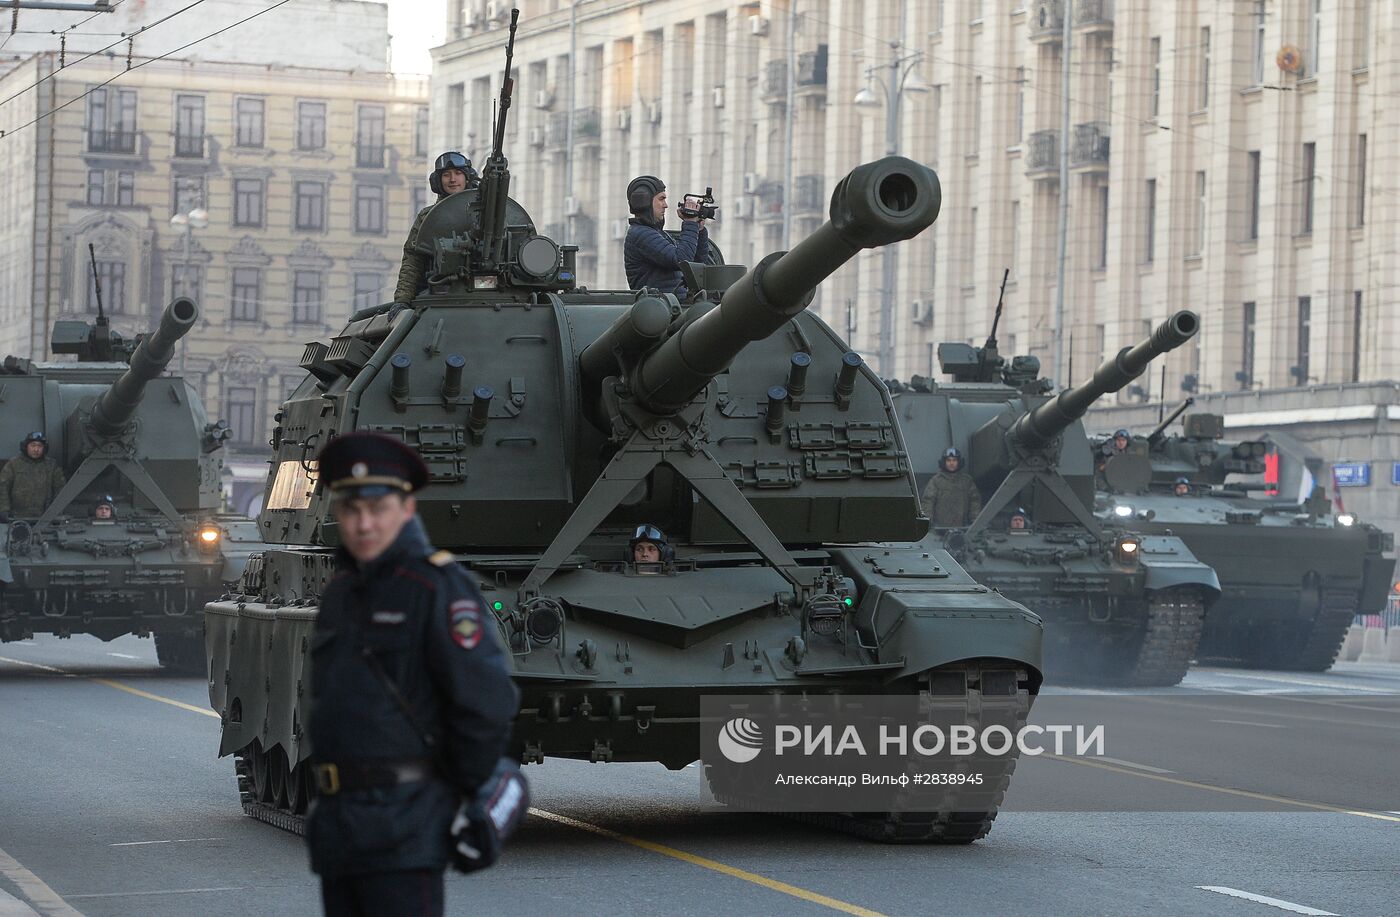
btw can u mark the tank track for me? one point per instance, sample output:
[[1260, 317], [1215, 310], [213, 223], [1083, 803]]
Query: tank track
[[1175, 619], [1008, 703], [1311, 647], [275, 813]]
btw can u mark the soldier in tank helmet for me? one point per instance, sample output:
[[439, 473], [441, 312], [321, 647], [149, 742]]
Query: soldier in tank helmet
[[452, 172], [651, 257], [648, 545], [951, 498], [1020, 522], [104, 510], [1181, 487], [411, 695], [30, 480]]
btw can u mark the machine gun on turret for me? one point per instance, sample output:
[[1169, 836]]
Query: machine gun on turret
[[1160, 430]]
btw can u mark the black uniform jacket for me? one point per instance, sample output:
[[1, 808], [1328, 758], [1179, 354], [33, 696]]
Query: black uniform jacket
[[436, 639]]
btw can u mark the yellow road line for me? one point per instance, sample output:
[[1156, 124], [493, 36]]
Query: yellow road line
[[714, 865], [1248, 794], [155, 697], [42, 898]]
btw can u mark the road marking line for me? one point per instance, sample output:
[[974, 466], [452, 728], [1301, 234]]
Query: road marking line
[[10, 906], [32, 665], [123, 656], [1248, 794], [182, 840], [1265, 899], [44, 899], [1141, 767], [714, 865], [155, 697], [163, 891], [1250, 723]]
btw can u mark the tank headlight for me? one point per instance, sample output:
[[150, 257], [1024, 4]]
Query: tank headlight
[[1127, 549], [1346, 519], [825, 615], [1122, 511], [208, 537], [544, 619]]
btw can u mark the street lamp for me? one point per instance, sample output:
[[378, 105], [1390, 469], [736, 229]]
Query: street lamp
[[188, 221], [902, 77]]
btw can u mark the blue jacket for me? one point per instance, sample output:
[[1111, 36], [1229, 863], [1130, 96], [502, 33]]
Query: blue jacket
[[653, 259]]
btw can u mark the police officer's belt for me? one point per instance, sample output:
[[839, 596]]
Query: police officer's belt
[[364, 775]]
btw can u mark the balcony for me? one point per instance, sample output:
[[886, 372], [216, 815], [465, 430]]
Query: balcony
[[811, 69], [369, 156], [1047, 21], [1088, 150], [556, 130], [807, 194], [773, 87], [770, 201], [187, 147], [1043, 154], [1093, 15], [112, 142], [588, 123]]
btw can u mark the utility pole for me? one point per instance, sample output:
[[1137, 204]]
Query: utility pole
[[1062, 242]]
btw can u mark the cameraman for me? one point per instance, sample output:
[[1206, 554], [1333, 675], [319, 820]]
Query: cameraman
[[652, 258]]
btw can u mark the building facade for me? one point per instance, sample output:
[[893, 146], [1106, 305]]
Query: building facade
[[309, 179]]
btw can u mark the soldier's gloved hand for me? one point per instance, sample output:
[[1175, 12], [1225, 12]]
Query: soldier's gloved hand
[[396, 308], [489, 817]]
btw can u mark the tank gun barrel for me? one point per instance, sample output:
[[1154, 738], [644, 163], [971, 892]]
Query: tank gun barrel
[[117, 405], [877, 204], [1046, 422]]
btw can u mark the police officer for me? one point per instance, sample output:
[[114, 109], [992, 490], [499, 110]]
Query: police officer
[[452, 172], [651, 257], [648, 545], [30, 480], [411, 696], [951, 497]]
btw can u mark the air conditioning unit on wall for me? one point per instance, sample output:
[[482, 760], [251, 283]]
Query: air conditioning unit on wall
[[751, 182], [758, 25], [921, 310]]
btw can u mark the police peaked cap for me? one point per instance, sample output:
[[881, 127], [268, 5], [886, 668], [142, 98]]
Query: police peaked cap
[[370, 465], [642, 190]]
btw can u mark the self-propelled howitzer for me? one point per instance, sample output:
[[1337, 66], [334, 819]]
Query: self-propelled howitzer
[[554, 421]]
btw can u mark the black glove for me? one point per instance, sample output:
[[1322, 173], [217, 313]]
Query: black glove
[[396, 308], [489, 817]]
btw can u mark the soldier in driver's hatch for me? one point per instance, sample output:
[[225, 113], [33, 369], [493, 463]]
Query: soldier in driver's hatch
[[30, 480], [951, 497], [452, 172], [651, 257]]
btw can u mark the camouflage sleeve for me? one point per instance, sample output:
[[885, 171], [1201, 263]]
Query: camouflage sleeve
[[926, 499], [414, 264], [7, 479], [974, 500]]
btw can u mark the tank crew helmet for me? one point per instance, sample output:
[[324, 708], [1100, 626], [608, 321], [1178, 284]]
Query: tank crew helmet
[[105, 500], [949, 453], [370, 465], [1181, 485], [1019, 516], [448, 161], [648, 533], [1121, 433], [36, 437], [641, 191]]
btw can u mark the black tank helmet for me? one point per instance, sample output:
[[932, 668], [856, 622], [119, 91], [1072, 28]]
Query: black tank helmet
[[36, 437], [451, 160], [950, 452], [648, 532], [641, 191]]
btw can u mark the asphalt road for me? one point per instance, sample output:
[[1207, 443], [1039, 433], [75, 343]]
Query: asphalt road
[[111, 803]]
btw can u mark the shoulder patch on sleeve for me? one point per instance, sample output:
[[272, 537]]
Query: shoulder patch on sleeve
[[440, 558], [464, 621]]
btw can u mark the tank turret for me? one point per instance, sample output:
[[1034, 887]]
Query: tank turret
[[118, 404]]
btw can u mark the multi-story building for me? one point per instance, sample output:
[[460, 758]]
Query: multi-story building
[[1219, 156], [309, 178]]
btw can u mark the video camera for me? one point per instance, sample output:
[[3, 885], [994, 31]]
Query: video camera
[[702, 206]]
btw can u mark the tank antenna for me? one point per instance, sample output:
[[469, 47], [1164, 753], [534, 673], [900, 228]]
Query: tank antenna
[[97, 286], [996, 319]]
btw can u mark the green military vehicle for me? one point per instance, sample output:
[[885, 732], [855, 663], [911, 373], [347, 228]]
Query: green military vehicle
[[1121, 606], [555, 421], [138, 442], [1292, 575]]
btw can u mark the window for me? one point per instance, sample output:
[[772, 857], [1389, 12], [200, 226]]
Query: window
[[1155, 56], [241, 411], [189, 126], [1356, 336], [245, 296], [306, 297], [976, 114], [420, 131], [367, 287], [1199, 241], [96, 186], [126, 189], [1315, 43], [248, 122], [187, 192], [1102, 260], [369, 137], [1246, 374], [311, 125], [1020, 126], [1205, 67], [1259, 47], [456, 111], [1253, 211], [369, 208], [1150, 215], [112, 276], [111, 120], [247, 202], [310, 206], [971, 256], [1300, 367], [1305, 213], [1360, 179]]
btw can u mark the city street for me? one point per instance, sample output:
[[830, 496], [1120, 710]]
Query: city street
[[113, 803]]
